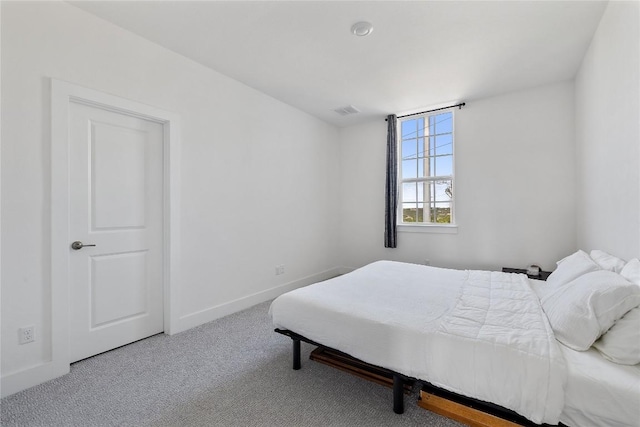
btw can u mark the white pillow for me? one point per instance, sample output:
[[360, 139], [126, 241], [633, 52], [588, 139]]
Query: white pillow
[[606, 261], [631, 271], [621, 343], [570, 268], [585, 308]]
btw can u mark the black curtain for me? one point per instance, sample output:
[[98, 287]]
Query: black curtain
[[391, 187]]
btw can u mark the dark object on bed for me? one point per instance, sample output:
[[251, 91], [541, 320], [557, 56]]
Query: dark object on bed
[[543, 275], [399, 382]]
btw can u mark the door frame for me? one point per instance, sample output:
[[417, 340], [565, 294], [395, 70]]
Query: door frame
[[62, 94]]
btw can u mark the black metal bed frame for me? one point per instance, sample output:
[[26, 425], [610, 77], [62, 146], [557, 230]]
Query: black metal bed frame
[[399, 381]]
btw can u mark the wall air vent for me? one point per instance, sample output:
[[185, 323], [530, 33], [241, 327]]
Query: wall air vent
[[345, 111]]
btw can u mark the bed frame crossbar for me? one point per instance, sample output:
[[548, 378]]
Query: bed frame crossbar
[[399, 380]]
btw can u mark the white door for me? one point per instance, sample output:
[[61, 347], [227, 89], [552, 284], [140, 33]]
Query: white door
[[116, 182]]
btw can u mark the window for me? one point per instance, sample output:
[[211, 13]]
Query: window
[[426, 194]]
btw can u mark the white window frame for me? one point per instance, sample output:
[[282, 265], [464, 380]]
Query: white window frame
[[422, 227]]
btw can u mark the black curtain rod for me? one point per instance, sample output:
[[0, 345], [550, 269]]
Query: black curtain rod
[[462, 104]]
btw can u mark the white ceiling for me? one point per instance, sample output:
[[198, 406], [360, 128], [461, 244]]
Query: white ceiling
[[421, 54]]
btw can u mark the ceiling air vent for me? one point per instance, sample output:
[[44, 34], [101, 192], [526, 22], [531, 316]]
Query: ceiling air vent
[[345, 111]]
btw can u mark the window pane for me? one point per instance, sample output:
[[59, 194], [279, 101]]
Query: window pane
[[420, 126], [423, 149], [410, 169], [443, 190], [443, 123], [420, 213], [423, 191], [422, 165], [444, 165], [442, 213], [409, 212], [444, 144], [428, 201], [409, 149], [409, 192], [408, 128], [412, 128]]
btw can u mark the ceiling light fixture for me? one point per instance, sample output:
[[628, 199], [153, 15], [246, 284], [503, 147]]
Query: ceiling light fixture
[[361, 29]]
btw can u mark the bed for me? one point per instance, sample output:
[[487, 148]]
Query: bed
[[480, 334], [598, 392]]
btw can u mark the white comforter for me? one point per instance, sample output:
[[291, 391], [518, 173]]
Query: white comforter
[[478, 333]]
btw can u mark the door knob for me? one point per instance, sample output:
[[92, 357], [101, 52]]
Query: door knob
[[77, 245]]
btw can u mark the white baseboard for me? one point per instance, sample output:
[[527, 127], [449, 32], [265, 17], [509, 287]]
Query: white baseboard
[[27, 378], [207, 315], [344, 270]]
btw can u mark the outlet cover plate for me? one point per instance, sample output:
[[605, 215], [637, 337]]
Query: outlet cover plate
[[26, 335]]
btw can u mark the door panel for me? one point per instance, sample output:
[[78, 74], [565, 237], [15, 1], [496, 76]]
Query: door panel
[[116, 178], [118, 287], [118, 199]]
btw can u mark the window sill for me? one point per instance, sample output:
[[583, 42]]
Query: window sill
[[427, 228]]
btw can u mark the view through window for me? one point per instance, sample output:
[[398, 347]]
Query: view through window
[[426, 169]]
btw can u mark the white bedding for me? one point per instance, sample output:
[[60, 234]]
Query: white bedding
[[481, 334], [599, 392]]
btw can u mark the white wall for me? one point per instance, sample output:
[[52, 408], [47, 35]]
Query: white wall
[[514, 186], [516, 179], [258, 176], [608, 135]]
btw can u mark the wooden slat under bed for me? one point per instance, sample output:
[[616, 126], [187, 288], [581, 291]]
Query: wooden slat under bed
[[464, 414], [356, 367], [444, 406]]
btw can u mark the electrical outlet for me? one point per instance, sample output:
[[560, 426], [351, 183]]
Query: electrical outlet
[[279, 269], [26, 335]]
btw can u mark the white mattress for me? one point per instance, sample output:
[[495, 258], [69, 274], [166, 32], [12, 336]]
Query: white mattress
[[480, 334], [599, 392]]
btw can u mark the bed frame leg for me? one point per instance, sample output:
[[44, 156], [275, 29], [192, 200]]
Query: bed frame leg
[[398, 394], [296, 354]]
